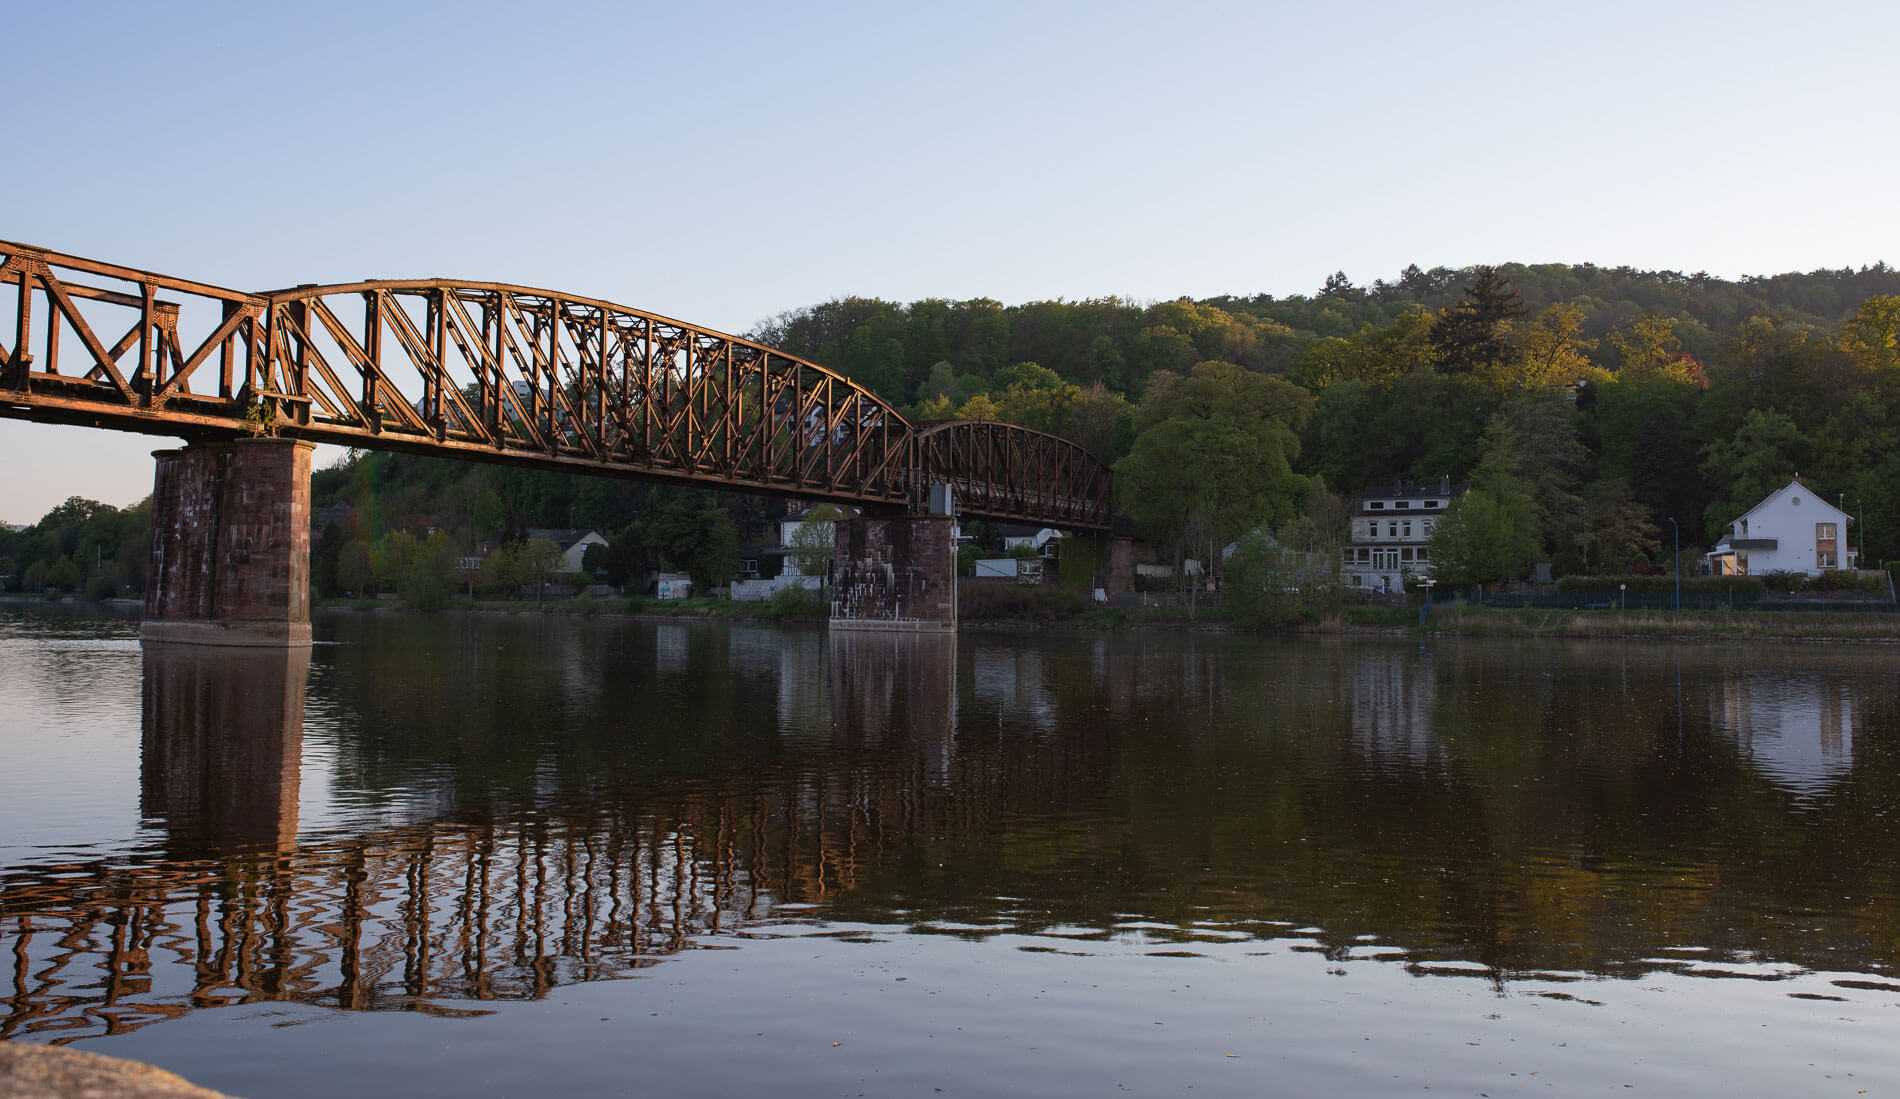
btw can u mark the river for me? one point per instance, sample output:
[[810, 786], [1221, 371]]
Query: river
[[467, 855]]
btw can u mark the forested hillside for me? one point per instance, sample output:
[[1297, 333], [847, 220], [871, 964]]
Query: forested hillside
[[1604, 401], [1592, 405]]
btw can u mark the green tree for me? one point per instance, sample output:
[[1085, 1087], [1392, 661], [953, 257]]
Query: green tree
[[690, 531], [815, 540], [431, 576], [1762, 457], [1480, 540], [1263, 582], [1617, 530], [356, 568], [1872, 335], [1220, 442]]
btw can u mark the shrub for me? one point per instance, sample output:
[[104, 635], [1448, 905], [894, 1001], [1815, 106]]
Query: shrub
[[1018, 603], [797, 603]]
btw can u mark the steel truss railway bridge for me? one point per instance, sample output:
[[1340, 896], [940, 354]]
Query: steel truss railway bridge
[[489, 372]]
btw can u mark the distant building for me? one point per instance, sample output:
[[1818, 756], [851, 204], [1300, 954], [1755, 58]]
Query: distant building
[[1045, 541], [1794, 529], [573, 545], [1391, 527]]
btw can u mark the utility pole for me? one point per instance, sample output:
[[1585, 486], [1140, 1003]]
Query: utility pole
[[1678, 529]]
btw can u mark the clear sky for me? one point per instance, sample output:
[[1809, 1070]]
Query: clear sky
[[722, 163]]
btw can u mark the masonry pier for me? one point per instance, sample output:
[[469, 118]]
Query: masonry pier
[[231, 544], [897, 573]]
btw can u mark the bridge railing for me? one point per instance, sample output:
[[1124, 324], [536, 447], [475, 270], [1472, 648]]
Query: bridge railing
[[88, 342]]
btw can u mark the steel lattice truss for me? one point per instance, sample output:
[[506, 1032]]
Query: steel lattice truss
[[499, 373]]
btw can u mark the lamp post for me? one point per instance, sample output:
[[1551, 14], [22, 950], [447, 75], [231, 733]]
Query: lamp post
[[1678, 530], [1428, 582], [1622, 597]]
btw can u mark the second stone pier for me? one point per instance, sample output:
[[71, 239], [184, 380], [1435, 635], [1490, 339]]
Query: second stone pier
[[895, 574]]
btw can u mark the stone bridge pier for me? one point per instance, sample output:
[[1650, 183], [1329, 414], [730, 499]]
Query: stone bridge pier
[[896, 573], [231, 544]]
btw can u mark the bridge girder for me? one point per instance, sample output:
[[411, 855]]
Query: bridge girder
[[502, 373]]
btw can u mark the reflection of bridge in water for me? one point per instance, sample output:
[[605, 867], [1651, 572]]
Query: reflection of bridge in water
[[491, 906], [1513, 810]]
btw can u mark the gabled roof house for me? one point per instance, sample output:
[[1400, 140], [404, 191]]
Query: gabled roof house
[[1794, 529]]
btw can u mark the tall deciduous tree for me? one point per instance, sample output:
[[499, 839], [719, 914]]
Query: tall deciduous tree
[[1552, 349], [1219, 441]]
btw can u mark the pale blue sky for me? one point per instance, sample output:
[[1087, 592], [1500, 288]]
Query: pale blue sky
[[724, 163]]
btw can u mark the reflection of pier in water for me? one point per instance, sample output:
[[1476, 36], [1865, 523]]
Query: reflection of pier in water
[[484, 907]]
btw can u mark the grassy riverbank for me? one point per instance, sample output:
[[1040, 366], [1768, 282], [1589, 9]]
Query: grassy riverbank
[[1056, 612], [1709, 624]]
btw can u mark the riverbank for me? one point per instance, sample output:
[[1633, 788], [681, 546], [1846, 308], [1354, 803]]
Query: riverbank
[[1443, 620], [1663, 625]]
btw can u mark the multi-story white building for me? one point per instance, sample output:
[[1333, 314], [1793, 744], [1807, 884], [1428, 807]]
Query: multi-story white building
[[1390, 529], [1794, 529]]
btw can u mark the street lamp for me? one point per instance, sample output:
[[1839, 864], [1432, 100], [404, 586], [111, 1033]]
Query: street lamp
[[1678, 530], [1428, 582]]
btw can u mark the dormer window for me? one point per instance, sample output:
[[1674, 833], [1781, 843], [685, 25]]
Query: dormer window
[[1375, 505]]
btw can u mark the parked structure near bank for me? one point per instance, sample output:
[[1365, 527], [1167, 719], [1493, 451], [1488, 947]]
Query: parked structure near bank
[[1793, 530]]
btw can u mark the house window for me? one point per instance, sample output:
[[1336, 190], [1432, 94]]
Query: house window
[[1375, 505], [1421, 553], [1426, 527], [1392, 530], [1408, 528], [1827, 561], [1824, 531], [1431, 503], [1405, 554]]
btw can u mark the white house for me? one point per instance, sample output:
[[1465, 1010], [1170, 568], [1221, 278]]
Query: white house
[[1794, 530], [1043, 541], [1390, 528], [573, 544]]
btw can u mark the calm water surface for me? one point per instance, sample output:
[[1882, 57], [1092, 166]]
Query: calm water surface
[[462, 856]]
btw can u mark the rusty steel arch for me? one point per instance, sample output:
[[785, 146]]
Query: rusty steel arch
[[493, 370], [1002, 471], [502, 373]]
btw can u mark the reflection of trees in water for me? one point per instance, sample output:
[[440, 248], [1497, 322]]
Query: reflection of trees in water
[[1529, 809]]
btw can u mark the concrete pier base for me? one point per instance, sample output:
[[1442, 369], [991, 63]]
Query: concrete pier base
[[231, 545], [895, 574]]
